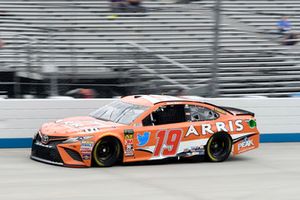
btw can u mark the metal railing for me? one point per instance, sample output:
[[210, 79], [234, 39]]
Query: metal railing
[[160, 57]]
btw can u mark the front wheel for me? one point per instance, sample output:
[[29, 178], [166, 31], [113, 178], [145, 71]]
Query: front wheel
[[218, 147], [106, 152]]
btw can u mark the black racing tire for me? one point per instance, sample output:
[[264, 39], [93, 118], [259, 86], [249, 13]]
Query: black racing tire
[[218, 147], [106, 152]]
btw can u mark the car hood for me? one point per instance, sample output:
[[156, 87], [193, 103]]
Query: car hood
[[77, 125]]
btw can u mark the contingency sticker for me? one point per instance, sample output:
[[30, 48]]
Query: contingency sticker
[[128, 136], [86, 146], [86, 149], [86, 156]]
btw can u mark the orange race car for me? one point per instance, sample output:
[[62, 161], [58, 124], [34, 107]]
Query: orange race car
[[146, 127]]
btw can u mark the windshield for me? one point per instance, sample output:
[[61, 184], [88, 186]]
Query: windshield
[[119, 112]]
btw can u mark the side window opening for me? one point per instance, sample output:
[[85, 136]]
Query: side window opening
[[166, 115], [198, 113], [147, 121]]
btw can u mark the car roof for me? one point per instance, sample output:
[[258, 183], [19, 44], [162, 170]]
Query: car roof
[[149, 100]]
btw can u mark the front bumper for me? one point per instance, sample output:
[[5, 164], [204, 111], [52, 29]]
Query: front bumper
[[58, 153], [46, 161], [46, 153]]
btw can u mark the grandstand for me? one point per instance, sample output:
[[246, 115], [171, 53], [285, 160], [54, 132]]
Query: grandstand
[[167, 48]]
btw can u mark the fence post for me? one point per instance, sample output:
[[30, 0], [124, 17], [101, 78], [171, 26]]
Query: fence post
[[215, 64]]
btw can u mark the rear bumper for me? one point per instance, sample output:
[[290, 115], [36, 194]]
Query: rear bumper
[[246, 143]]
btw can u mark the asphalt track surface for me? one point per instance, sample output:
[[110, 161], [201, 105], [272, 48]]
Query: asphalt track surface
[[271, 172]]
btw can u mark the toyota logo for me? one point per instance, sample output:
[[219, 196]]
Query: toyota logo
[[45, 139]]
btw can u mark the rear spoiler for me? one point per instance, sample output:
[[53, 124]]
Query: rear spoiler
[[237, 111]]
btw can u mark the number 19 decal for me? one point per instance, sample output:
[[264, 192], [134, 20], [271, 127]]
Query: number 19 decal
[[167, 142]]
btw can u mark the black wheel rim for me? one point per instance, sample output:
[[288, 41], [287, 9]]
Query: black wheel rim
[[218, 147], [105, 150]]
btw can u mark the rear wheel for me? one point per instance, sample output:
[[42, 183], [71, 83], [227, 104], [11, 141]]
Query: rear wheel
[[106, 152], [218, 147]]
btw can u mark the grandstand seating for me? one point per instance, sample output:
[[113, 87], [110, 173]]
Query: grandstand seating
[[280, 78], [167, 48]]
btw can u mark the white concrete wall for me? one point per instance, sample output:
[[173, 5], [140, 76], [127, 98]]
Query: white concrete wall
[[22, 118], [274, 115]]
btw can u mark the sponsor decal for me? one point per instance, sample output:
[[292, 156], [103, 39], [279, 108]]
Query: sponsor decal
[[194, 150], [246, 142], [206, 128], [86, 146], [222, 126], [72, 123], [191, 130], [128, 135], [251, 123], [167, 142], [143, 139], [94, 122], [129, 148], [86, 156]]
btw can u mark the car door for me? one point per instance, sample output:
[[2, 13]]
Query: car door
[[201, 126], [161, 133]]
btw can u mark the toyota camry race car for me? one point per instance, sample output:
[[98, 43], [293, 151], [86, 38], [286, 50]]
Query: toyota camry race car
[[146, 127]]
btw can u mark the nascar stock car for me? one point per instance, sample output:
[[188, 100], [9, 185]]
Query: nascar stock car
[[146, 127]]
